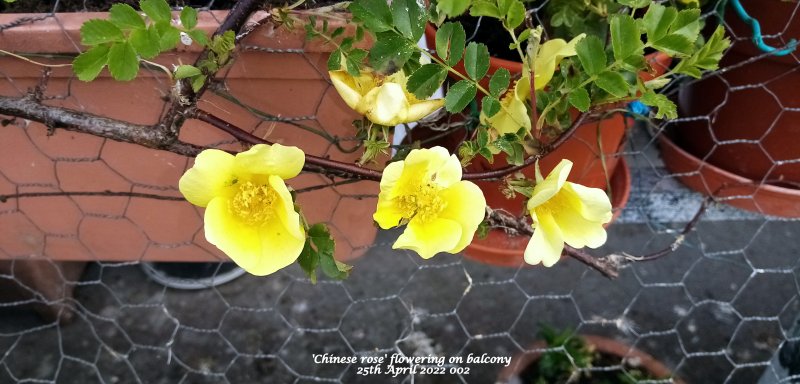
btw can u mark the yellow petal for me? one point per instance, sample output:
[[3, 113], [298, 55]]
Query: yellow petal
[[427, 162], [418, 110], [388, 214], [430, 238], [258, 250], [549, 56], [514, 112], [579, 232], [385, 105], [284, 207], [552, 184], [466, 205], [546, 244], [592, 203], [261, 159], [212, 172], [347, 87]]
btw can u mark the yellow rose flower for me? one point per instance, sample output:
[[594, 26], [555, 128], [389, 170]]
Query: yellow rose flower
[[382, 99], [249, 211], [426, 191], [564, 212], [514, 114]]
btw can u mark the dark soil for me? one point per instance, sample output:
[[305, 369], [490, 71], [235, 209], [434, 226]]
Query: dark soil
[[490, 32]]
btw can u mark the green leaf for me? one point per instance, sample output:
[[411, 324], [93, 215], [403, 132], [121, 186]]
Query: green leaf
[[453, 8], [184, 71], [579, 98], [707, 57], [424, 81], [146, 42], [198, 82], [125, 17], [674, 45], [591, 54], [390, 51], [450, 38], [335, 60], [459, 95], [657, 83], [169, 36], [476, 60], [374, 14], [409, 18], [491, 105], [499, 82], [613, 83], [96, 32], [665, 107], [308, 261], [353, 61], [687, 24], [635, 4], [199, 37], [89, 64], [189, 17], [515, 14], [485, 8], [157, 10], [483, 137], [122, 62], [321, 238], [625, 37], [657, 21]]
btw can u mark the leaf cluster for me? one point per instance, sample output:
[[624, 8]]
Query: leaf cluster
[[128, 36], [318, 253], [219, 51]]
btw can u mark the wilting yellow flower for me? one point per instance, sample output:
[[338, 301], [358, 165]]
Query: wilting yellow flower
[[564, 212], [426, 191], [382, 99], [249, 211], [514, 114]]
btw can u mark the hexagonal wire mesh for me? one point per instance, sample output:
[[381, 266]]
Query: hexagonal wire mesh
[[714, 310]]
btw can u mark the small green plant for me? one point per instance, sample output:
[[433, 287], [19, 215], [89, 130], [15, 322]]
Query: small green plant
[[129, 37], [571, 359]]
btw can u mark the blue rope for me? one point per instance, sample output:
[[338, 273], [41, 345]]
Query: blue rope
[[758, 40]]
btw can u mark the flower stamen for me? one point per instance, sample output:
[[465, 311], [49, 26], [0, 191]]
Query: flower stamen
[[423, 202], [253, 203]]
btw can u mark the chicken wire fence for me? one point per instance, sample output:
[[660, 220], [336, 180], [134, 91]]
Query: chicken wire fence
[[720, 308]]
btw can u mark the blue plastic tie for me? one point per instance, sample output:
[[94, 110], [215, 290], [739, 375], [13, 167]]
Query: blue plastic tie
[[758, 40], [636, 107]]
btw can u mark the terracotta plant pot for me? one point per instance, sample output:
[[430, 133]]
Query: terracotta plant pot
[[593, 150], [275, 71], [743, 130], [603, 345]]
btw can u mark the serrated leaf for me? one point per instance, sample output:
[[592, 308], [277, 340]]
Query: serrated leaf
[[482, 137], [687, 24], [199, 37], [635, 4], [515, 14], [198, 82], [625, 37], [409, 18], [674, 45], [707, 57], [308, 261], [459, 96], [89, 64], [579, 98], [96, 32], [122, 62], [491, 105], [157, 10], [169, 36], [125, 17], [189, 17], [390, 51], [450, 39], [426, 80], [375, 14], [657, 21], [613, 83], [485, 8], [335, 60], [452, 8], [664, 106], [591, 54], [184, 71], [499, 82], [353, 61], [145, 42], [476, 60]]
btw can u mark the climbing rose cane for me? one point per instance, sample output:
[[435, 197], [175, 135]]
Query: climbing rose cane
[[564, 212], [426, 192], [249, 214]]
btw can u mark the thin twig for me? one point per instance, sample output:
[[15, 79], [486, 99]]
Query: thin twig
[[5, 198]]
